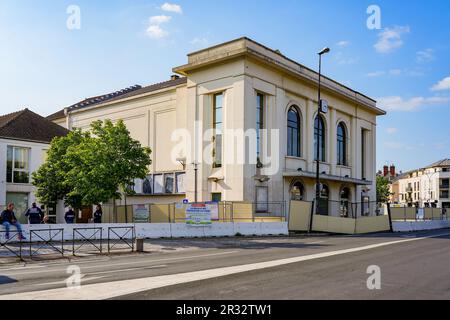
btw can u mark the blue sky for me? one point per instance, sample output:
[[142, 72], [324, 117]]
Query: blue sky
[[405, 64]]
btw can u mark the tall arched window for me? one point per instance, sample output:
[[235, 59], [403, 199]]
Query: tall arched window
[[297, 191], [319, 129], [341, 145], [293, 133]]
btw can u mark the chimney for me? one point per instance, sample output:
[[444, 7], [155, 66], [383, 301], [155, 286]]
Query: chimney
[[174, 77], [385, 171], [392, 171]]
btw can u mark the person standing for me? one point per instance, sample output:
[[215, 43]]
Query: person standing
[[34, 214], [70, 216], [8, 219], [98, 214]]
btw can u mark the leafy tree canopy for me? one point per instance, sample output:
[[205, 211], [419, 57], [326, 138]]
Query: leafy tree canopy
[[383, 190], [86, 168]]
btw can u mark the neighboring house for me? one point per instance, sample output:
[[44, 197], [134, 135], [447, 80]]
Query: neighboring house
[[425, 187], [244, 86], [24, 141]]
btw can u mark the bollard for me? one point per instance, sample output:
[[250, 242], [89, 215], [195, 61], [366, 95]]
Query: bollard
[[140, 244]]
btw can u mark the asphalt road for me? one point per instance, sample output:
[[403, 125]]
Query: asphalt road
[[413, 266]]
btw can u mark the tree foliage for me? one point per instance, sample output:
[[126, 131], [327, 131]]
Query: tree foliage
[[86, 168], [383, 190]]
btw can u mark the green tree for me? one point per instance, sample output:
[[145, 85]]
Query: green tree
[[383, 190], [92, 167]]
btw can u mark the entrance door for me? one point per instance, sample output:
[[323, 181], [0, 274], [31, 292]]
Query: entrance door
[[85, 216]]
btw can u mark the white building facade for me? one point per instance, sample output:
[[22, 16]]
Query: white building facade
[[24, 141], [195, 124], [426, 187]]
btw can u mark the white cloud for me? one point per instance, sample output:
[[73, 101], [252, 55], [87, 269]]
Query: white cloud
[[396, 103], [390, 39], [395, 72], [199, 41], [171, 7], [392, 72], [442, 85], [156, 32], [343, 43], [157, 20], [375, 74], [425, 55], [392, 130], [340, 58]]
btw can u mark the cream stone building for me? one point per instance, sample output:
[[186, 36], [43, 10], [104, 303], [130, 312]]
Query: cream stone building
[[244, 89], [425, 187]]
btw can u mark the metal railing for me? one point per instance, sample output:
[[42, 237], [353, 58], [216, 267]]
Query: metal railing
[[346, 209], [121, 233], [79, 235], [44, 241], [227, 212], [10, 244]]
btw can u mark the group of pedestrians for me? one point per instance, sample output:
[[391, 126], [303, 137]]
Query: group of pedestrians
[[36, 215]]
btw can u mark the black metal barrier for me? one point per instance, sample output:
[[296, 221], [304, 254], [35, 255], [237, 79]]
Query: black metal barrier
[[43, 242], [11, 246], [122, 237], [87, 239]]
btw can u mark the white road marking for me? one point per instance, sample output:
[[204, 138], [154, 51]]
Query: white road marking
[[109, 290], [83, 279], [316, 242], [131, 269], [124, 263]]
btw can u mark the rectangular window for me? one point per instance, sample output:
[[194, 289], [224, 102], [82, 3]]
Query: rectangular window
[[180, 182], [259, 122], [218, 129], [444, 194], [20, 201], [216, 197], [158, 183], [17, 165], [445, 184], [363, 154], [168, 183]]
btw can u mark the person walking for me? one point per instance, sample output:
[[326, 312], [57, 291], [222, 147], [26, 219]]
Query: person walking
[[8, 219], [35, 215], [70, 216], [98, 214]]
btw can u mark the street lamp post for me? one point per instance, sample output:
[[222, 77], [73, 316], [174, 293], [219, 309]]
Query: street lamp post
[[319, 111]]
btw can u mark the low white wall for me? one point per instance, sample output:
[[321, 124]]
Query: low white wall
[[149, 230], [411, 226]]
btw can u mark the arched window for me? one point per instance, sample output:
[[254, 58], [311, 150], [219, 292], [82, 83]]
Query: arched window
[[345, 202], [319, 129], [341, 145], [297, 191], [323, 200], [293, 133]]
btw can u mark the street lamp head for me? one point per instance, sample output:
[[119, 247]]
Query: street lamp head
[[324, 50]]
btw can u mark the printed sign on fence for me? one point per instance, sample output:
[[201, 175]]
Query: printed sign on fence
[[141, 213], [199, 214]]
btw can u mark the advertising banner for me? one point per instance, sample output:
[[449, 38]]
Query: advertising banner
[[199, 214]]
